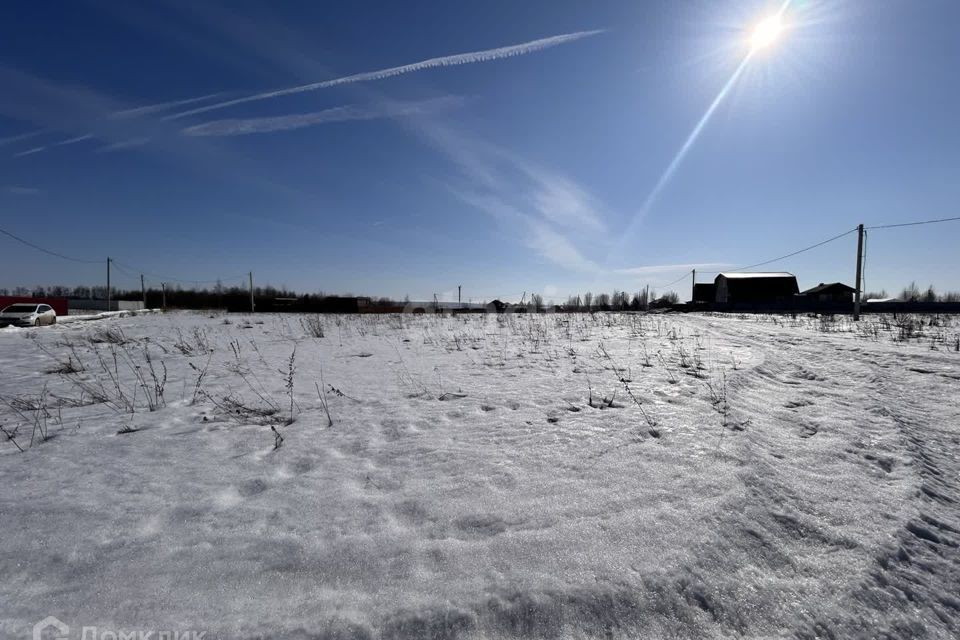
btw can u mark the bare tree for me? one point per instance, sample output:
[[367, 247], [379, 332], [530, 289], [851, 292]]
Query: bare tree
[[536, 302], [910, 293], [876, 295]]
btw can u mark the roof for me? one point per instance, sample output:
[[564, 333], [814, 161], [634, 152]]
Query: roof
[[833, 287], [742, 275]]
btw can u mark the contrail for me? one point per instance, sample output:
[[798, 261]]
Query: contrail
[[239, 127], [123, 145], [22, 136], [22, 191], [29, 152], [445, 61], [162, 106], [86, 136]]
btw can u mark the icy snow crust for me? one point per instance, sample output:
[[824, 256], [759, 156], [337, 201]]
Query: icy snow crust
[[485, 477]]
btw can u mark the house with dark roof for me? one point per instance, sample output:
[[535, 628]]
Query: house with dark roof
[[753, 288], [832, 292]]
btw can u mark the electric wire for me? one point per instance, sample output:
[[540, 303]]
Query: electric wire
[[913, 224], [670, 284], [790, 255], [47, 251], [123, 267], [160, 278]]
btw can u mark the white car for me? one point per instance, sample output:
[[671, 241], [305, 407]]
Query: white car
[[27, 315]]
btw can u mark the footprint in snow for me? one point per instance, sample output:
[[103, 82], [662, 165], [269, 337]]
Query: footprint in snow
[[480, 526], [252, 487]]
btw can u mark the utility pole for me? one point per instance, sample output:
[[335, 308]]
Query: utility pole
[[458, 295], [163, 288], [143, 289], [693, 287], [109, 306], [856, 296], [646, 299], [252, 305]]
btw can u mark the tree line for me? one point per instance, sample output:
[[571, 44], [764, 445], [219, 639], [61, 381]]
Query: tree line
[[270, 298], [913, 293]]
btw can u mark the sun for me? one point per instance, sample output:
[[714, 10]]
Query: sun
[[766, 32]]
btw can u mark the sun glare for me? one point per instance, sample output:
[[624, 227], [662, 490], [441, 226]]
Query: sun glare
[[766, 32]]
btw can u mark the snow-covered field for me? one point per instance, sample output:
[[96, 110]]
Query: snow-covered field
[[560, 476]]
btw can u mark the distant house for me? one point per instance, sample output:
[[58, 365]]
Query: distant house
[[705, 292], [754, 287], [833, 292]]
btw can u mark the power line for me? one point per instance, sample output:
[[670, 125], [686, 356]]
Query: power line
[[913, 224], [125, 272], [670, 284], [123, 267], [169, 279], [119, 265], [47, 251], [789, 255]]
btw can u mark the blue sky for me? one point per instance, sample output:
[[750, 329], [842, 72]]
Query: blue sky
[[163, 135]]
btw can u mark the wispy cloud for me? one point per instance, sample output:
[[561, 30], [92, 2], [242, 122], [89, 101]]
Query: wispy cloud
[[34, 150], [87, 136], [553, 215], [150, 109], [131, 143], [239, 127], [538, 206], [19, 137], [669, 268], [563, 202], [29, 152], [472, 57], [556, 247], [22, 191]]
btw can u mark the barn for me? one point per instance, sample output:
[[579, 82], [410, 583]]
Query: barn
[[755, 288], [833, 292]]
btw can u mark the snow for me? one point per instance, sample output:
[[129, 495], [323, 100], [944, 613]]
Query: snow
[[484, 477], [82, 317]]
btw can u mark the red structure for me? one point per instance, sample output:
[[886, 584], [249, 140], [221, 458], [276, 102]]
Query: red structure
[[58, 304]]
